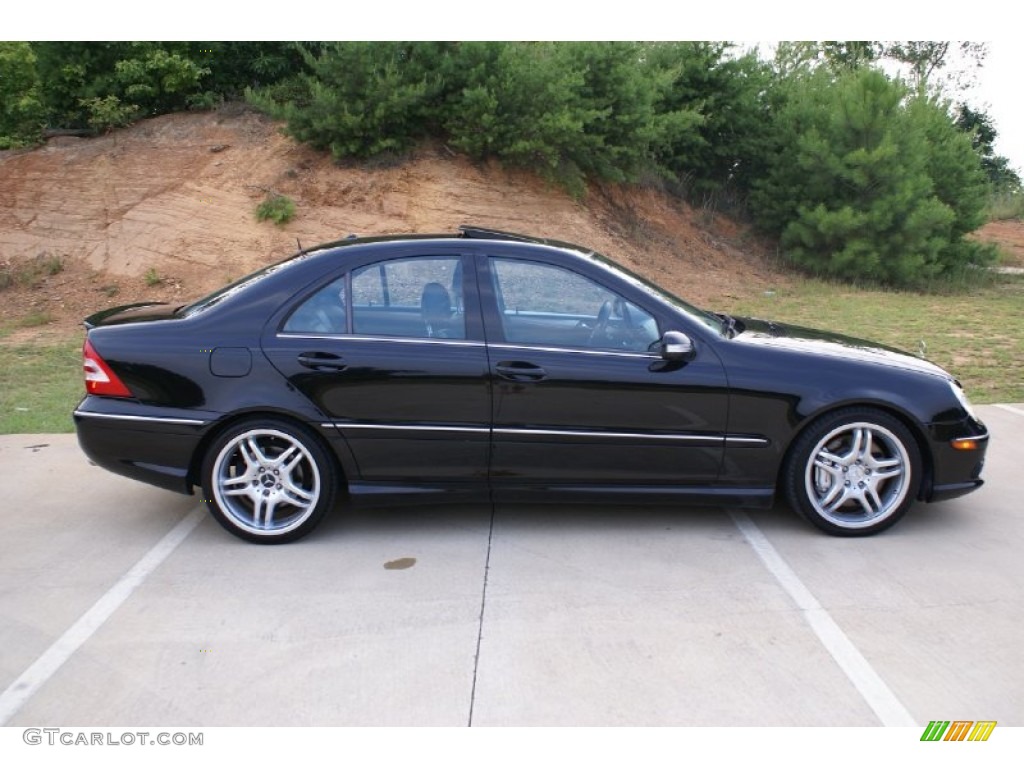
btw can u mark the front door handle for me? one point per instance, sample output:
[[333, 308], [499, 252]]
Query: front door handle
[[517, 370], [322, 361]]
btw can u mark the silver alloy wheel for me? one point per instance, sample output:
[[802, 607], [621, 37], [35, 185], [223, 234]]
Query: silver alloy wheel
[[857, 475], [266, 482]]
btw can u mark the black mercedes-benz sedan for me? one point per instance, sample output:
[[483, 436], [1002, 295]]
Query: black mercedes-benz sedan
[[494, 365]]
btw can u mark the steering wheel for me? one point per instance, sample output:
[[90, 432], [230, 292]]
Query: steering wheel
[[601, 323]]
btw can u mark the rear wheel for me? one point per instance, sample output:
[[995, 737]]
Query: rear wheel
[[854, 472], [268, 480]]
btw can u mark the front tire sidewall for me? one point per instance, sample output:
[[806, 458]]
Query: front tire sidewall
[[315, 460], [898, 440]]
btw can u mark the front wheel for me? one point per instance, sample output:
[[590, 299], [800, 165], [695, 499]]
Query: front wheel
[[268, 480], [854, 472]]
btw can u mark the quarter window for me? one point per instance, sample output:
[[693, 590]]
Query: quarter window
[[548, 305], [323, 312]]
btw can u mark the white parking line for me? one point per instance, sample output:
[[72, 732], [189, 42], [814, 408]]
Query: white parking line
[[1009, 408], [33, 678], [876, 693]]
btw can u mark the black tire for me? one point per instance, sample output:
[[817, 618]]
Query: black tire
[[853, 472], [268, 480]]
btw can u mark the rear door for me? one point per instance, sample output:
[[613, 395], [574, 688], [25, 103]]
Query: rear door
[[392, 353]]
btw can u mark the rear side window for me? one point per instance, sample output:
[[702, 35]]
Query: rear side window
[[420, 297]]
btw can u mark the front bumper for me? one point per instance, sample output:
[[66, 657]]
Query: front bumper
[[955, 471]]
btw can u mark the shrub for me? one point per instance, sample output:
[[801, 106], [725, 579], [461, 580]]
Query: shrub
[[108, 112], [279, 209]]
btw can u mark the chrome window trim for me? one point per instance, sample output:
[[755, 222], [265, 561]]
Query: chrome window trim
[[123, 417], [395, 339]]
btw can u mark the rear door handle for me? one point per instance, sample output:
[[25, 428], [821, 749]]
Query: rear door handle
[[517, 370], [322, 361]]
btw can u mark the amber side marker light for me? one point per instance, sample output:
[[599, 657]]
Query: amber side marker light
[[965, 444]]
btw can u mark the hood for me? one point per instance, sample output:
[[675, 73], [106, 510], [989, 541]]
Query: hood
[[131, 313], [811, 341]]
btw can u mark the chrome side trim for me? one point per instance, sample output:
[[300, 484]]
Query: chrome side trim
[[574, 350], [405, 427], [394, 339], [541, 432], [121, 417], [613, 435]]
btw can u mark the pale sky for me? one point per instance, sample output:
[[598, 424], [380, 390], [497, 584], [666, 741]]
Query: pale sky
[[999, 91]]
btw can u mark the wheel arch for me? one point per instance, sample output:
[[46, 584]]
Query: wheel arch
[[196, 462], [911, 423]]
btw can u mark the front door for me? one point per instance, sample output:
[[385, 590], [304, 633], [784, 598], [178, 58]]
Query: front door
[[579, 398]]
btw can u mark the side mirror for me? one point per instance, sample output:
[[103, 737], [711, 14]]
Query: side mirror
[[676, 345]]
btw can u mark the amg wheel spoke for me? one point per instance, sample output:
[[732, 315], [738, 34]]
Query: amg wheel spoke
[[866, 447], [283, 457], [875, 500], [855, 446], [301, 496], [862, 498], [269, 517], [257, 503], [825, 466], [836, 490], [257, 452]]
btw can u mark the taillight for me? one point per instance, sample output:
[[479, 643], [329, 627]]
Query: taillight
[[99, 379]]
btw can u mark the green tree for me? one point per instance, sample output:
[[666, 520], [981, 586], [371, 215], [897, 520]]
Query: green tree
[[979, 126], [22, 115], [357, 99], [870, 181], [712, 114]]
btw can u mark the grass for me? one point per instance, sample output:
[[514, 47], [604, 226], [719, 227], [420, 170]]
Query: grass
[[1006, 205], [39, 386], [35, 318], [30, 273], [978, 335], [152, 277]]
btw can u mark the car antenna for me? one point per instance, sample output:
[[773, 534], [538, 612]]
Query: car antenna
[[298, 243]]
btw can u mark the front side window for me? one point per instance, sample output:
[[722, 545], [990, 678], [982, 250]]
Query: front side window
[[551, 306], [418, 297]]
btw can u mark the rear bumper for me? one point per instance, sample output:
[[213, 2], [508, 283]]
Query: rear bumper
[[145, 446]]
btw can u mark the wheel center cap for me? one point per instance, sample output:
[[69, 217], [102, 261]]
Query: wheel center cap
[[267, 480], [856, 474]]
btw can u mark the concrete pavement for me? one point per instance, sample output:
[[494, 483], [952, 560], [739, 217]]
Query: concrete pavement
[[543, 615]]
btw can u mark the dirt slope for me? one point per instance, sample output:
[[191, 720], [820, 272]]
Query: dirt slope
[[173, 198], [1009, 236]]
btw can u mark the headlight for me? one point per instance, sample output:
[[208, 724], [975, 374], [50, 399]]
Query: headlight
[[962, 399]]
